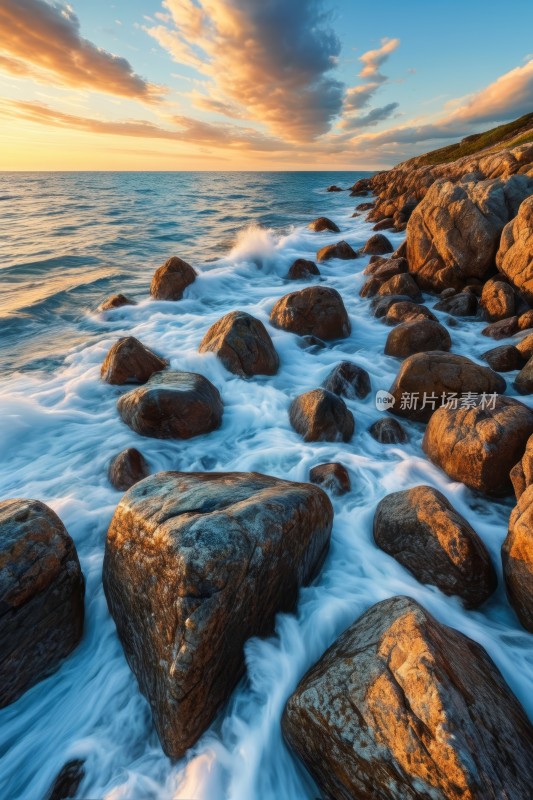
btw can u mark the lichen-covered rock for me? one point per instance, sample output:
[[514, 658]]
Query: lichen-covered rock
[[195, 564], [479, 446], [515, 255], [332, 476], [302, 268], [171, 279], [316, 311], [517, 556], [130, 361], [417, 336], [243, 345], [323, 224], [340, 250], [420, 528], [348, 380], [41, 595], [321, 416], [172, 405], [402, 707], [388, 431], [127, 468]]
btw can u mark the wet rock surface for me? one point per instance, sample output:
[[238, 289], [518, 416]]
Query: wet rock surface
[[348, 380], [243, 345], [517, 557], [127, 468], [130, 361], [316, 311], [332, 476], [171, 279], [321, 416]]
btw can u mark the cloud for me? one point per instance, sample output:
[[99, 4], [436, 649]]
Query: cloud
[[508, 97], [42, 41], [373, 59], [372, 118], [271, 58], [358, 97]]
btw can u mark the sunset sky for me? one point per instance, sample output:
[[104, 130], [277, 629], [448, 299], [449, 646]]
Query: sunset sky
[[254, 84]]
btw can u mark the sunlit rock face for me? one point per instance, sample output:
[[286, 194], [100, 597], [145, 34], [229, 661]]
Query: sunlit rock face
[[402, 707], [195, 564]]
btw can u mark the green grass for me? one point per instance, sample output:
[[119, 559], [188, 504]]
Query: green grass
[[510, 135]]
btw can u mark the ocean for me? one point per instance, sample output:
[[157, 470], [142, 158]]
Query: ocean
[[67, 241]]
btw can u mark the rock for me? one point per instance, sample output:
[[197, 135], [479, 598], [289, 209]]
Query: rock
[[403, 285], [41, 596], [525, 320], [67, 781], [243, 345], [436, 374], [348, 380], [316, 310], [422, 530], [380, 305], [171, 279], [417, 336], [197, 563], [340, 250], [371, 287], [321, 416], [384, 225], [497, 301], [302, 268], [334, 477], [362, 185], [517, 557], [323, 224], [402, 707], [479, 446], [523, 382], [172, 405], [454, 232], [386, 267], [515, 255], [311, 343], [502, 329], [503, 358], [407, 311], [365, 206], [521, 474], [333, 189], [377, 245], [525, 347], [127, 468], [130, 361], [463, 304], [115, 301], [388, 431]]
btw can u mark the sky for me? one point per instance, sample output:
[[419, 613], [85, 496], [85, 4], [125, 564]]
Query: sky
[[255, 84]]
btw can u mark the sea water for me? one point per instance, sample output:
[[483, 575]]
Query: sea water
[[69, 240]]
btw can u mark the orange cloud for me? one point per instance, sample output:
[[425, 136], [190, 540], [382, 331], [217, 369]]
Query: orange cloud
[[43, 41], [373, 59]]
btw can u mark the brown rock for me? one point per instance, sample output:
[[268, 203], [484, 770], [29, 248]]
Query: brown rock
[[302, 268], [171, 279], [67, 781], [422, 530], [380, 305], [502, 329], [497, 301], [371, 287], [115, 301], [402, 707], [323, 224], [503, 358], [407, 311], [130, 361], [523, 382], [195, 564], [316, 310], [243, 345], [172, 405], [41, 596], [127, 468], [525, 320], [348, 380], [386, 267], [401, 285], [436, 374], [525, 347], [515, 255], [388, 431], [479, 446], [377, 245], [384, 224], [522, 473], [517, 557], [340, 250], [321, 416], [333, 476], [463, 304], [417, 336], [334, 189]]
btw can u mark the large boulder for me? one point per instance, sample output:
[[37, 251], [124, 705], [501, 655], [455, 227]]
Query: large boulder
[[525, 347], [243, 345], [523, 382], [323, 224], [321, 416], [377, 245], [479, 445], [497, 301], [401, 707], [521, 474], [439, 377], [316, 310], [515, 254], [503, 358], [420, 528], [195, 564], [348, 380], [417, 336], [501, 329], [517, 557], [127, 468], [172, 405], [340, 250], [41, 595], [171, 279], [454, 232], [130, 361]]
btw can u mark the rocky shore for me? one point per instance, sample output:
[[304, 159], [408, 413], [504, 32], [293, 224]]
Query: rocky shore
[[400, 706]]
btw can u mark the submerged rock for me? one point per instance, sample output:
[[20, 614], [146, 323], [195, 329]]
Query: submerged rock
[[67, 781], [243, 345], [348, 380], [420, 528], [332, 476], [172, 405], [388, 431], [517, 557], [197, 563], [171, 279], [377, 245], [324, 224], [402, 707], [41, 596], [316, 310], [130, 361], [302, 268], [127, 468], [417, 336], [321, 416], [115, 301]]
